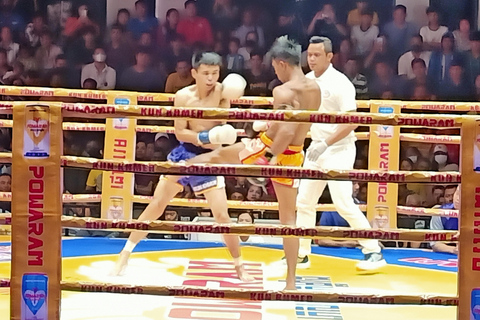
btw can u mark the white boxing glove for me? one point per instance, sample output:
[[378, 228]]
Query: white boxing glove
[[316, 149], [260, 126], [225, 134], [233, 86]]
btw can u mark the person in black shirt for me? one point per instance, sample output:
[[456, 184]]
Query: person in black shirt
[[258, 77]]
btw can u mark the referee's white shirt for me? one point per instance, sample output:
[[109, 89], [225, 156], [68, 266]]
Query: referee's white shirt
[[338, 95]]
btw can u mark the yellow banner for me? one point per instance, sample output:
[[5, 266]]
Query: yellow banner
[[36, 212], [384, 155], [120, 140]]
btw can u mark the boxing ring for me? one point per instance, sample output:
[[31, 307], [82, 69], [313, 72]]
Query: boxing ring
[[207, 275]]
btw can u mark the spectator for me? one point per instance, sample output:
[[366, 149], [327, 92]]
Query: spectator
[[423, 164], [80, 20], [47, 52], [89, 84], [26, 57], [406, 165], [420, 79], [34, 30], [144, 183], [204, 213], [324, 23], [289, 25], [248, 218], [405, 65], [343, 54], [433, 32], [5, 186], [380, 52], [225, 15], [360, 82], [16, 73], [169, 28], [80, 52], [195, 28], [94, 181], [446, 223], [414, 200], [456, 87], [8, 44], [364, 35], [141, 77], [235, 61], [143, 22], [472, 58], [462, 36], [105, 76], [163, 144], [251, 44], [442, 161], [146, 41], [421, 93], [249, 25], [257, 77], [440, 61], [237, 194], [477, 89], [119, 54], [254, 193], [449, 194], [181, 78], [438, 195], [123, 18], [10, 19], [384, 80], [413, 154], [355, 16], [175, 51], [399, 31]]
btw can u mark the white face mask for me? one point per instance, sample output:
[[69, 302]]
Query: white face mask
[[413, 158], [99, 57], [441, 159]]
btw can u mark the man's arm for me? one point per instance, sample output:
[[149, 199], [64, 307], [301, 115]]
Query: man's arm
[[284, 132], [436, 224]]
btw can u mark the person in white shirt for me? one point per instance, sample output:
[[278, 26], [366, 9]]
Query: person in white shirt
[[99, 71], [433, 32], [416, 52], [332, 147], [364, 35], [8, 44]]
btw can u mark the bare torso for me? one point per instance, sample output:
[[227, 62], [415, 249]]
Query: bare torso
[[304, 94], [213, 100]]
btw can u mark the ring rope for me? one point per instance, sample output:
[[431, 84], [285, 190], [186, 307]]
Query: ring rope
[[256, 229], [247, 100], [255, 295]]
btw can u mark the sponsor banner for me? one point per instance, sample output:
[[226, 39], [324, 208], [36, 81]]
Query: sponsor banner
[[120, 139], [36, 213], [384, 153]]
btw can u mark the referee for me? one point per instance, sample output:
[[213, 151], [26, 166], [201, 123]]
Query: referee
[[332, 147]]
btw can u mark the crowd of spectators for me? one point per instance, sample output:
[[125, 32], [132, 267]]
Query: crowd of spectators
[[384, 56]]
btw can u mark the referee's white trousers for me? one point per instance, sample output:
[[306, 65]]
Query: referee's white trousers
[[340, 157]]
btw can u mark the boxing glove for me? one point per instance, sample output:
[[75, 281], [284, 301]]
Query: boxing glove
[[261, 126], [233, 86], [316, 149], [225, 134]]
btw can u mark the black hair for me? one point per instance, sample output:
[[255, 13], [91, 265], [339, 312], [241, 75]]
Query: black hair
[[400, 7], [287, 50], [327, 43], [419, 60], [206, 58]]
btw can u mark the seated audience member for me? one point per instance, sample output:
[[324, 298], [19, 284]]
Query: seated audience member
[[123, 17], [204, 213], [255, 193], [462, 36], [251, 45], [399, 31], [119, 54], [449, 194], [379, 52], [105, 76], [344, 53], [472, 58], [384, 80], [440, 60], [248, 218], [163, 144], [289, 24], [441, 159], [406, 165], [446, 223], [476, 90], [456, 87], [325, 23], [364, 35], [8, 44], [181, 78], [249, 25], [413, 154], [175, 50], [258, 77], [26, 55], [405, 63], [423, 164], [141, 77], [94, 182], [35, 29], [235, 61], [90, 84], [438, 195], [143, 22], [194, 28], [5, 186], [168, 29], [352, 71], [47, 52], [144, 183], [80, 51], [433, 32], [420, 79], [355, 16], [79, 21], [171, 215], [237, 194]]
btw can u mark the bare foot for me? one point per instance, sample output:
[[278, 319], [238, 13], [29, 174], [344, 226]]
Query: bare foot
[[121, 263], [243, 275]]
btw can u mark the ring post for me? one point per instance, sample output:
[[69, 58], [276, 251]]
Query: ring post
[[469, 242], [120, 140], [36, 212], [384, 154]]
